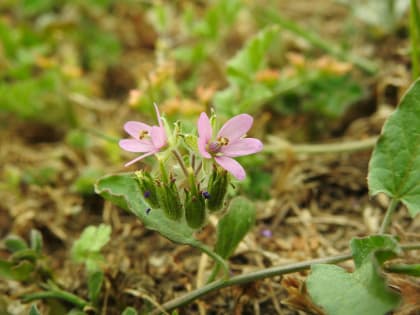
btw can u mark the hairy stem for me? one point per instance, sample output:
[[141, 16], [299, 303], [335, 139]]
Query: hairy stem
[[348, 146], [219, 260], [388, 215], [180, 162], [257, 275]]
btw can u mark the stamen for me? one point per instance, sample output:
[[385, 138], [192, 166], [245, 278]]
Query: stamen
[[143, 134], [223, 141]]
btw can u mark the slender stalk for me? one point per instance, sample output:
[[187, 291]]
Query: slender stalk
[[198, 169], [193, 161], [414, 38], [248, 277], [315, 40], [180, 162], [348, 146], [412, 270], [100, 135], [56, 294], [257, 275], [214, 273], [219, 260], [388, 215]]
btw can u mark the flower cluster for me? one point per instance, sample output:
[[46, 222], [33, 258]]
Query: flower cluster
[[230, 141], [186, 199]]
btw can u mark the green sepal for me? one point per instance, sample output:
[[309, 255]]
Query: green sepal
[[195, 205], [217, 188], [169, 200], [147, 186]]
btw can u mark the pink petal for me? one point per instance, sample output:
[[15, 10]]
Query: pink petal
[[139, 158], [158, 136], [158, 115], [241, 147], [133, 145], [204, 134], [204, 127], [133, 128], [202, 144], [236, 127], [231, 166]]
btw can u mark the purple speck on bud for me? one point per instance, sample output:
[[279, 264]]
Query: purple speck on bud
[[206, 195], [146, 194], [148, 210], [266, 233]]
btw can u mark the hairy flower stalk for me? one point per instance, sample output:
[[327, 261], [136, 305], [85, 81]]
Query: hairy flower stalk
[[230, 142]]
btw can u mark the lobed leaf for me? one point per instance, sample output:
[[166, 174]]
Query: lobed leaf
[[365, 290], [383, 247], [394, 168], [87, 248], [343, 293]]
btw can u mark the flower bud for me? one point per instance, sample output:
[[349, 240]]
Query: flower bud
[[169, 200], [217, 189], [148, 188], [168, 195], [195, 206], [195, 210]]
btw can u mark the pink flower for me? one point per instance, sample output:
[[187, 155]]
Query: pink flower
[[230, 142], [146, 139]]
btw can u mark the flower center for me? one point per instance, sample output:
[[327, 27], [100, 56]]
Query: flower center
[[215, 146], [143, 134]]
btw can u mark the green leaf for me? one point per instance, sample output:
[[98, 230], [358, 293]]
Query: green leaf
[[383, 247], [394, 168], [87, 248], [362, 292], [19, 272], [95, 280], [243, 66], [124, 191], [36, 241], [234, 225], [343, 293], [129, 311], [15, 243], [34, 310]]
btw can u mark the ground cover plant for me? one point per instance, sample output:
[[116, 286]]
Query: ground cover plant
[[223, 157]]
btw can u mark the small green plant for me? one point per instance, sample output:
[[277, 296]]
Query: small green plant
[[394, 170], [178, 195], [86, 250], [25, 262], [323, 88]]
